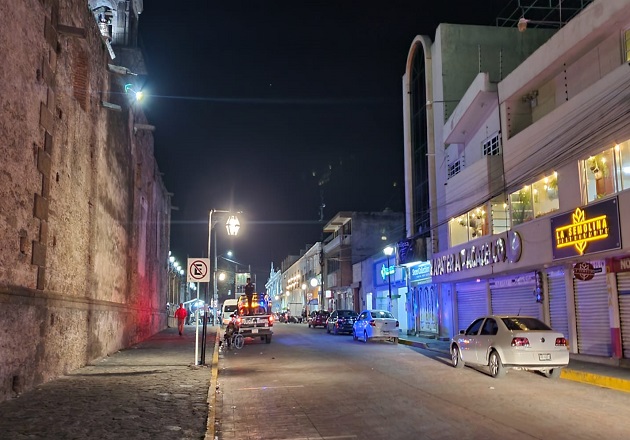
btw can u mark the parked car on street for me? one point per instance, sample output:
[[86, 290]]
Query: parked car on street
[[375, 324], [503, 342], [341, 321], [318, 318]]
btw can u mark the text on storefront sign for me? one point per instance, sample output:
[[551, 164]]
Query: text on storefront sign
[[582, 231], [468, 258]]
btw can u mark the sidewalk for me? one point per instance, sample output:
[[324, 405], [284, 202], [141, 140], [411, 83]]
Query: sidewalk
[[608, 376], [153, 390]]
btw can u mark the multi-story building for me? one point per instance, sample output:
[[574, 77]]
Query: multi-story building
[[302, 281], [354, 237], [530, 221], [273, 287], [450, 109]]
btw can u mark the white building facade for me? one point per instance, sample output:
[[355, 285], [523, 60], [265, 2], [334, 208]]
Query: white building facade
[[531, 179]]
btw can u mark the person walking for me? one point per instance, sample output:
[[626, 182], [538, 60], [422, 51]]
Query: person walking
[[181, 314]]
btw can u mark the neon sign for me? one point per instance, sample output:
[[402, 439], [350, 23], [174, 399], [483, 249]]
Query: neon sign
[[586, 230], [582, 231]]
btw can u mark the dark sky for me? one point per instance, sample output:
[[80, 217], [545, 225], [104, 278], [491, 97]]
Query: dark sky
[[255, 101]]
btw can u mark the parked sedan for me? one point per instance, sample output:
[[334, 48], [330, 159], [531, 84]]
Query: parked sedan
[[375, 324], [318, 318], [502, 342], [341, 321]]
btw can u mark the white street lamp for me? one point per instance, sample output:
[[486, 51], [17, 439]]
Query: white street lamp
[[389, 251]]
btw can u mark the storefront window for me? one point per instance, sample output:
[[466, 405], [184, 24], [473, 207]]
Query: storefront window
[[622, 152], [500, 215], [535, 200], [601, 175], [469, 226]]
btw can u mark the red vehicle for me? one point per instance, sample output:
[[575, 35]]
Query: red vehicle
[[318, 318]]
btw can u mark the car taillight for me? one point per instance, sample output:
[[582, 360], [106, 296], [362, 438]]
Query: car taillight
[[238, 320], [520, 342], [561, 342], [270, 319], [373, 323], [397, 324]]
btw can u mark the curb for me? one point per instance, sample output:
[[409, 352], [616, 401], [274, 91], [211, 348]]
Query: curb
[[212, 394]]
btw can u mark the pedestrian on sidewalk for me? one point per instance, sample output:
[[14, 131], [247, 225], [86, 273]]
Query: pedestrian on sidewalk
[[181, 314]]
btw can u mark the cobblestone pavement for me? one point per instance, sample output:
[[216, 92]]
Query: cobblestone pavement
[[153, 390]]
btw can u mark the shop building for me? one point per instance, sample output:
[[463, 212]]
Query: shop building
[[533, 190]]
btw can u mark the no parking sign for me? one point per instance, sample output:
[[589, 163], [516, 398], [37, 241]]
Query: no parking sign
[[198, 270]]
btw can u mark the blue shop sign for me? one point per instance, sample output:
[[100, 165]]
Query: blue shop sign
[[420, 272], [384, 274]]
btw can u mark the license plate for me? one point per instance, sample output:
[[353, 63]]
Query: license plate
[[544, 357], [386, 332], [254, 330]]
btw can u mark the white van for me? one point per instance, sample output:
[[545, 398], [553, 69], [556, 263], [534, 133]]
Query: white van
[[229, 306]]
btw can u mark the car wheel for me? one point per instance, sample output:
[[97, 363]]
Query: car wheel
[[456, 359], [268, 339], [354, 335], [497, 370], [554, 373], [395, 340], [365, 338]]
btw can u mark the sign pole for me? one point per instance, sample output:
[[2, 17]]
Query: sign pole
[[197, 328], [198, 272]]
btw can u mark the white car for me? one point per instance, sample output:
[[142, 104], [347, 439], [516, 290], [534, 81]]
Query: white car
[[502, 342], [375, 324]]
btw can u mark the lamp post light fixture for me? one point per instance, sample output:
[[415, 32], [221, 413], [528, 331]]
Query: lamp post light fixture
[[389, 250]]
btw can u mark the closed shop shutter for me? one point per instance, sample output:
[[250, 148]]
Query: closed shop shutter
[[472, 302], [557, 293], [517, 300], [591, 313], [623, 288]]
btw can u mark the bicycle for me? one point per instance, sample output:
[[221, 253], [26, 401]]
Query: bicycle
[[236, 340]]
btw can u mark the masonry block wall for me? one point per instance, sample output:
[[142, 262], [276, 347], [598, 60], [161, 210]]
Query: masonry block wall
[[84, 214]]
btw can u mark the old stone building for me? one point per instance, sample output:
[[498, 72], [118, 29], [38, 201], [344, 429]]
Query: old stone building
[[84, 214]]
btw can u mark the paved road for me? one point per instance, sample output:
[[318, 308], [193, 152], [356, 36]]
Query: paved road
[[310, 385]]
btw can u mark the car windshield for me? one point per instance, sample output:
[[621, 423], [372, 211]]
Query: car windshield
[[347, 314], [230, 308], [522, 323], [381, 314]]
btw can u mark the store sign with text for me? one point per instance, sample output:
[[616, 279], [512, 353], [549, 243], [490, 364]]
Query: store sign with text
[[587, 230], [471, 257]]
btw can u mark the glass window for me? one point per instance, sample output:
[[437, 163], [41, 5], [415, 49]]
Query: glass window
[[490, 327], [521, 203], [535, 200], [622, 152], [473, 329], [499, 215], [492, 145], [516, 323], [600, 175], [466, 227]]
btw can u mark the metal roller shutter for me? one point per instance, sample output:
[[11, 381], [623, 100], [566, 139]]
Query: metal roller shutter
[[472, 302], [516, 300], [591, 312], [623, 288], [557, 292]]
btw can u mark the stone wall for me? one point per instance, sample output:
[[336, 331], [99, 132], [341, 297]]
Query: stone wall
[[84, 215]]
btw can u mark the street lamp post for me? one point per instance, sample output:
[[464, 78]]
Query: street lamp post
[[232, 225], [389, 251]]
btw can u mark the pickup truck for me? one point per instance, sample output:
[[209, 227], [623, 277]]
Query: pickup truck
[[255, 320]]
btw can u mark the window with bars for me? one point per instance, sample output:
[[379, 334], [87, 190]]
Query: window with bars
[[492, 145], [455, 167]]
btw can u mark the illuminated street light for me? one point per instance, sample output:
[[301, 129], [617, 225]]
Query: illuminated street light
[[389, 251]]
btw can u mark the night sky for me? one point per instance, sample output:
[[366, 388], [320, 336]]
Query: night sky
[[271, 107]]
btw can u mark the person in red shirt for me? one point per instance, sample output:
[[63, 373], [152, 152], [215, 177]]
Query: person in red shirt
[[181, 314]]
